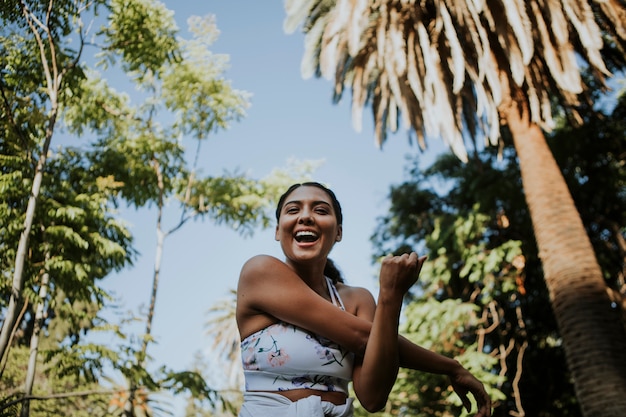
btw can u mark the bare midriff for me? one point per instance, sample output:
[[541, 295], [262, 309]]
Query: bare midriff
[[335, 397]]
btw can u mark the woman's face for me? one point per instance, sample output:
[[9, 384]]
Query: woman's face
[[307, 228]]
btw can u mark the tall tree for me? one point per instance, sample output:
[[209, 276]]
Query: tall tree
[[59, 232], [75, 243], [467, 222], [57, 63], [454, 68], [61, 202]]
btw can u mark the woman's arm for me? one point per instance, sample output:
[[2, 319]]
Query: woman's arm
[[267, 286], [375, 374], [413, 356]]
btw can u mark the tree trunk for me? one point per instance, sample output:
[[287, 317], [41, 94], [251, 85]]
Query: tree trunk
[[22, 248], [34, 344], [157, 262], [53, 79], [593, 338]]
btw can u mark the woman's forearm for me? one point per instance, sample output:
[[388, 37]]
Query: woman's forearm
[[380, 364], [413, 356], [379, 368], [270, 286]]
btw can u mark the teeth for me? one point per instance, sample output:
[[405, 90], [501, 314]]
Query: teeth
[[306, 236]]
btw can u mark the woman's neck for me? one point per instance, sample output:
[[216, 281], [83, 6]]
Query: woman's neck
[[313, 276]]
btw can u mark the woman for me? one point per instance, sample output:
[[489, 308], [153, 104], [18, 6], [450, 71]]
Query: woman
[[290, 371]]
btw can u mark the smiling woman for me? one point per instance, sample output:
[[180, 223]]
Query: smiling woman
[[306, 335], [312, 217]]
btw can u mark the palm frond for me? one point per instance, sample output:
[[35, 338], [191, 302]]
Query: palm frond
[[441, 67]]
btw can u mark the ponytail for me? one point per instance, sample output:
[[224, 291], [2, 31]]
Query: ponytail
[[332, 272]]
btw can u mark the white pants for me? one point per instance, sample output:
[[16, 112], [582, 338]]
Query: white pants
[[267, 404]]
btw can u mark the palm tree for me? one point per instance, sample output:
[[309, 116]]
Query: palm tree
[[221, 326], [445, 68]]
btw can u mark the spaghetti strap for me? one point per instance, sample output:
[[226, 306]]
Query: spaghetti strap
[[334, 294]]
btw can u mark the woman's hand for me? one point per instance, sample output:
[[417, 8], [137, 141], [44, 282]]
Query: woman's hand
[[399, 273], [463, 382]]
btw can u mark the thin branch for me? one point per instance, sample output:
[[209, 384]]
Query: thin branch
[[30, 18], [182, 222], [17, 322], [504, 353], [57, 396], [493, 326], [516, 379], [53, 57], [519, 366], [183, 216]]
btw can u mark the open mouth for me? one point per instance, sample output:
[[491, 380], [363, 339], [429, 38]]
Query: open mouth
[[306, 236]]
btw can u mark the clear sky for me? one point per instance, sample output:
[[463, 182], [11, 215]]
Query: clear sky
[[289, 118]]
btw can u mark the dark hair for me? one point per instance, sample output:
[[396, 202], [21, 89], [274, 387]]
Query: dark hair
[[330, 269], [332, 272]]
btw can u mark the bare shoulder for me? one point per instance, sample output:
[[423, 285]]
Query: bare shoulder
[[259, 262], [252, 276], [357, 300], [353, 291], [259, 266], [253, 293]]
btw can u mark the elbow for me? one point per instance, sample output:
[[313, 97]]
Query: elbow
[[374, 398], [360, 339], [373, 405]]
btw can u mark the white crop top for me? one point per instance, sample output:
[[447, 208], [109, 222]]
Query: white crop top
[[284, 357]]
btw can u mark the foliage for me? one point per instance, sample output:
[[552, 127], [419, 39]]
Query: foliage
[[446, 327], [472, 221], [134, 152], [88, 398], [481, 252], [445, 69], [142, 34], [78, 239], [221, 326], [231, 397], [459, 70]]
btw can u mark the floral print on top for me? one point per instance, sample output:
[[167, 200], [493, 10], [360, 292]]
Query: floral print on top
[[284, 357]]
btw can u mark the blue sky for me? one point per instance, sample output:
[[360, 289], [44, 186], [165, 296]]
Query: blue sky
[[289, 118]]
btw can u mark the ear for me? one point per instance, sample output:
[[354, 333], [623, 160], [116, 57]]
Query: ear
[[276, 234], [339, 234]]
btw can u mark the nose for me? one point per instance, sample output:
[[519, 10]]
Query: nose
[[305, 217]]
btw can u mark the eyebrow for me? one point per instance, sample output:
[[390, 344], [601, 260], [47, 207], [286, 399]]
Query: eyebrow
[[315, 203]]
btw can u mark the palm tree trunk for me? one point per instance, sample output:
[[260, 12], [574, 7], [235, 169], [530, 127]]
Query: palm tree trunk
[[593, 338]]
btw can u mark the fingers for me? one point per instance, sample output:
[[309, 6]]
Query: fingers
[[409, 259], [399, 273], [420, 263], [486, 407], [466, 402], [484, 411], [484, 404]]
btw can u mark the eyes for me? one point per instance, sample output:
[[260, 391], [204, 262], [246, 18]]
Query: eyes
[[321, 208]]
